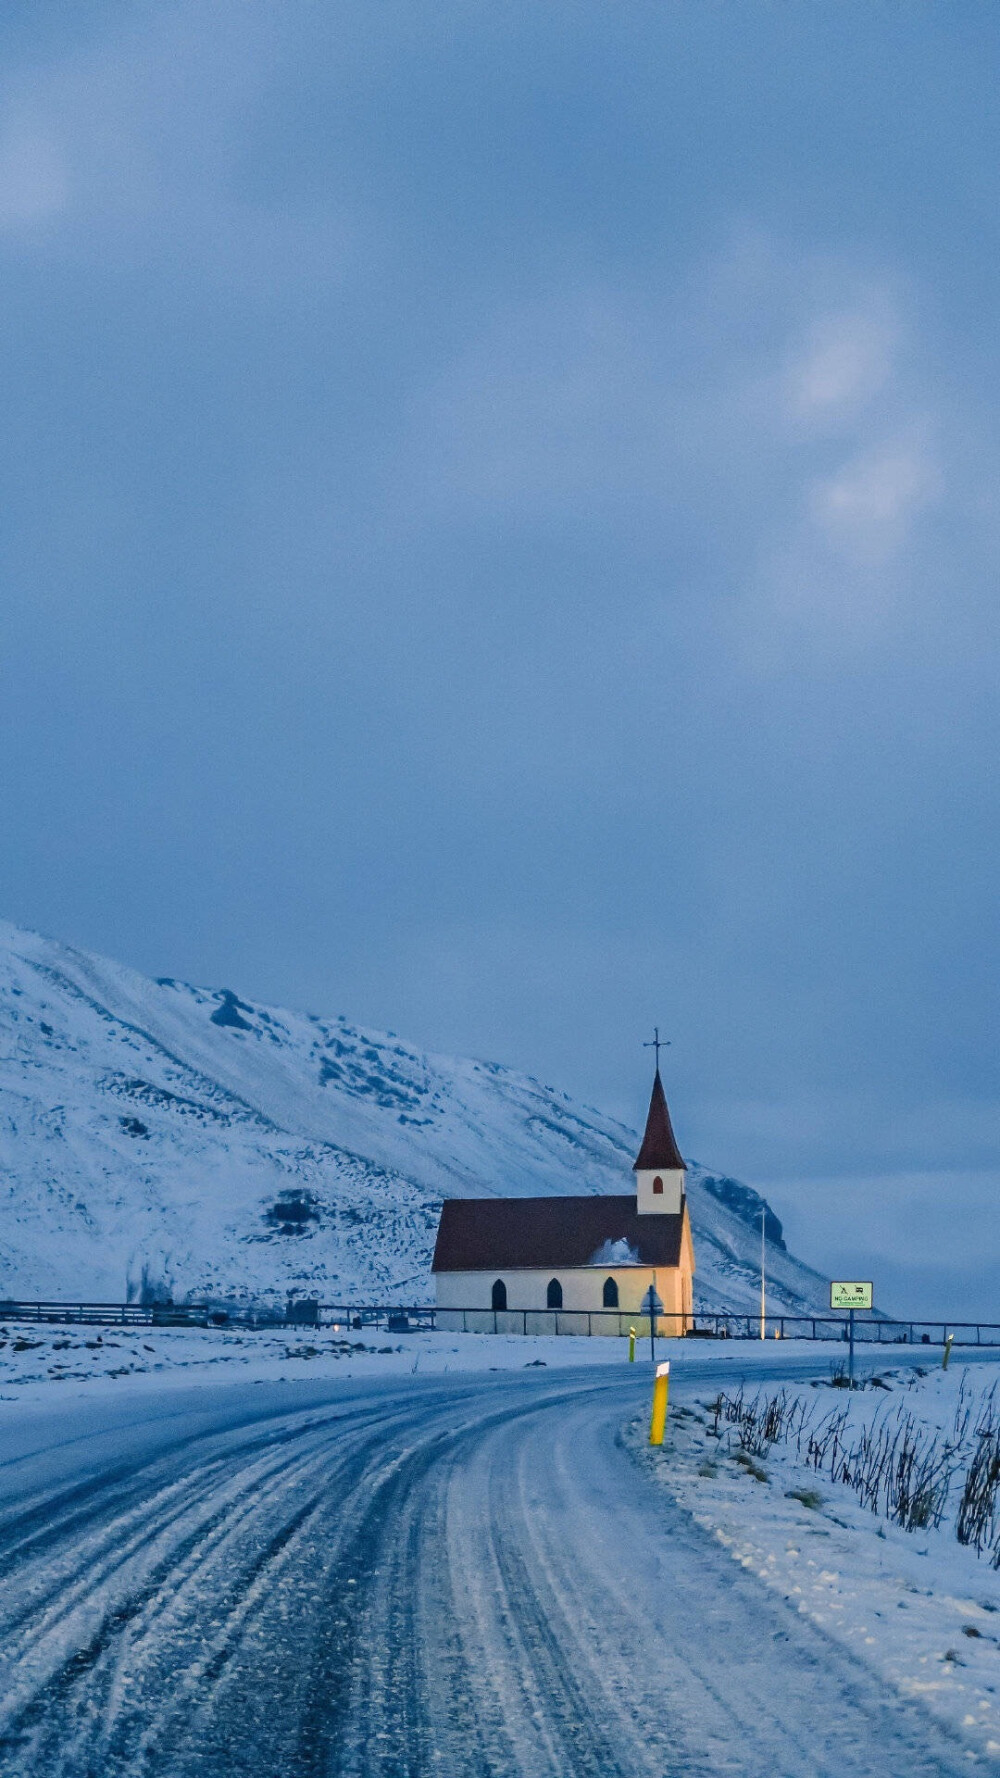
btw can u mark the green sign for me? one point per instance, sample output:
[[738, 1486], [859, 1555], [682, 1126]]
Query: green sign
[[850, 1296]]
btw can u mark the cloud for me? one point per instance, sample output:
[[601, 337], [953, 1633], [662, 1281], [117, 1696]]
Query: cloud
[[136, 145], [766, 410], [843, 572], [848, 429], [845, 360], [868, 507], [34, 182]]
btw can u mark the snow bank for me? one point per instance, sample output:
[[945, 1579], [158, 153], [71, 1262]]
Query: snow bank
[[46, 1364], [918, 1607]]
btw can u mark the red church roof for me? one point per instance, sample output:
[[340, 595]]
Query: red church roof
[[659, 1146], [493, 1234]]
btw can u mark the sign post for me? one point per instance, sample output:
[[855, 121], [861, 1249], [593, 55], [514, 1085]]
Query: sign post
[[652, 1306], [849, 1295]]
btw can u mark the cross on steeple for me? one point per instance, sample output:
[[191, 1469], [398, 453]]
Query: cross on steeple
[[657, 1044]]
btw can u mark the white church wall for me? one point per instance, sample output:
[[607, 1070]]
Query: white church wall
[[658, 1203], [465, 1300]]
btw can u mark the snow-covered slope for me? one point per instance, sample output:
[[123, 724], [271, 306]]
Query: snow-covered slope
[[157, 1137]]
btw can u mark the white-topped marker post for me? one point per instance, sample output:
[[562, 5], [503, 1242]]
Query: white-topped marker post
[[661, 1386]]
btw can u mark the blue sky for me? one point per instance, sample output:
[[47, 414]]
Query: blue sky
[[500, 522]]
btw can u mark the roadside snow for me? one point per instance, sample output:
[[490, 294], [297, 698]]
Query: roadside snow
[[918, 1607], [44, 1362], [41, 1363]]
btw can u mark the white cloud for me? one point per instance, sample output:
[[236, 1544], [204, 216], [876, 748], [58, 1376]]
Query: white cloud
[[846, 359], [833, 567], [867, 508], [773, 402]]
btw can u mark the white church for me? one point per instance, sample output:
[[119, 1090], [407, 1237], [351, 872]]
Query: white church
[[573, 1264]]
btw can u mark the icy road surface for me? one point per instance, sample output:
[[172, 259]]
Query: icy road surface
[[461, 1576]]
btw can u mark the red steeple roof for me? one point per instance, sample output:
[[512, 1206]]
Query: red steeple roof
[[659, 1147]]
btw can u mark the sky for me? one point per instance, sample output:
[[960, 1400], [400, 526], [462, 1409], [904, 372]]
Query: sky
[[499, 521]]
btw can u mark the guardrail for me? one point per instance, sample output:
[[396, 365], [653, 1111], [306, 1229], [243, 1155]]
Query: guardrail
[[110, 1314], [877, 1330], [300, 1312], [724, 1324]]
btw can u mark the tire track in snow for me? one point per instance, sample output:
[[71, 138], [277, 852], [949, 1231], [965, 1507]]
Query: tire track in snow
[[454, 1578], [114, 1596]]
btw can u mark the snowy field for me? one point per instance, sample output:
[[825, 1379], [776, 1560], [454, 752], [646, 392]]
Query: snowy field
[[45, 1362], [918, 1607], [42, 1363]]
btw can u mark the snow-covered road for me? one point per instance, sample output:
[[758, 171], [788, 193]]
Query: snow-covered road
[[461, 1576]]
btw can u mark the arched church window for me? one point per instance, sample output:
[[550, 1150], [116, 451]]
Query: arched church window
[[658, 1185], [499, 1295], [610, 1293], [553, 1296]]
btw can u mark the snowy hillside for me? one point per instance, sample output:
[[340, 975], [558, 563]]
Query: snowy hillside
[[156, 1138]]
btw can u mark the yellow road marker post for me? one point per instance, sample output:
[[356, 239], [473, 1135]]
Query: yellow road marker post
[[631, 1345], [661, 1386]]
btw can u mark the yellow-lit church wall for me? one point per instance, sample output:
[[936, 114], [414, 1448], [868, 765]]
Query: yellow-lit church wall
[[464, 1300]]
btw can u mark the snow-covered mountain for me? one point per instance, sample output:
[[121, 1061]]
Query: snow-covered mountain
[[156, 1137]]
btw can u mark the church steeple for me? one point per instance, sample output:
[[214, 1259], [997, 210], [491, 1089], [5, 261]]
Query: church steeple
[[659, 1145], [659, 1166]]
